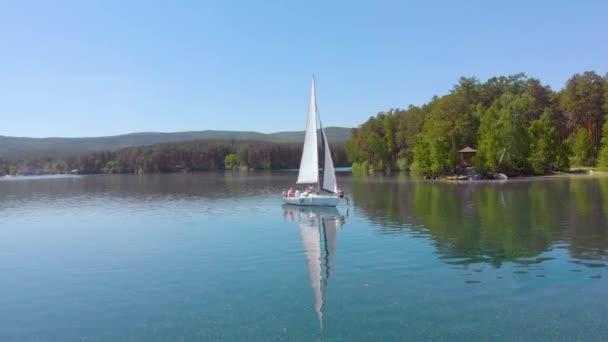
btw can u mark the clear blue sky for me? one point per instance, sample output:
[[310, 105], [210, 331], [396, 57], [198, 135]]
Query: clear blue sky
[[92, 68]]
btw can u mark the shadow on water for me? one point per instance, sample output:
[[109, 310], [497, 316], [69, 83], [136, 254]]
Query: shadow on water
[[514, 221], [318, 231]]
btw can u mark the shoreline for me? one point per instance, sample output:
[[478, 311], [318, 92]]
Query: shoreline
[[577, 172], [454, 178]]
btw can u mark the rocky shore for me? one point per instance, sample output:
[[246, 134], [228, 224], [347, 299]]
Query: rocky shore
[[470, 174]]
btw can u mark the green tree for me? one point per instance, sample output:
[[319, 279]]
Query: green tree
[[112, 166], [449, 125], [409, 124], [544, 143], [542, 98], [58, 165], [353, 152], [583, 102], [496, 87], [389, 134], [368, 142], [584, 154], [469, 89], [422, 157], [602, 159], [376, 146], [443, 156], [606, 93], [564, 154], [232, 161], [503, 136], [490, 145]]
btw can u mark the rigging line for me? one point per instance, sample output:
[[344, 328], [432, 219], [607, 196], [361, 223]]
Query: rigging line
[[321, 163], [322, 177]]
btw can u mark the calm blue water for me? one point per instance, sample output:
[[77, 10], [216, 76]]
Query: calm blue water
[[215, 256]]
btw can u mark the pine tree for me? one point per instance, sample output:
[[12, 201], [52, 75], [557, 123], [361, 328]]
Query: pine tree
[[544, 143], [503, 136], [584, 155], [602, 160]]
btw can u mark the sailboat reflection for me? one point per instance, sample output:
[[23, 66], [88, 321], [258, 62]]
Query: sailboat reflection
[[318, 230]]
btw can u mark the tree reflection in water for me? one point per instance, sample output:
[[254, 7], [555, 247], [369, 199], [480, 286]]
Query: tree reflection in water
[[491, 222]]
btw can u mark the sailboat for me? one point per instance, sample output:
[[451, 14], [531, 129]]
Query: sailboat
[[326, 193], [318, 231]]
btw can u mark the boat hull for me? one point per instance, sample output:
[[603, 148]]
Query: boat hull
[[313, 200]]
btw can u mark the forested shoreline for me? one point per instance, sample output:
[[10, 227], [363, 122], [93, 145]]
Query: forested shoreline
[[187, 156], [517, 125]]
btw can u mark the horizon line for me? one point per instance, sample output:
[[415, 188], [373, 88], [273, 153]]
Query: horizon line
[[158, 132]]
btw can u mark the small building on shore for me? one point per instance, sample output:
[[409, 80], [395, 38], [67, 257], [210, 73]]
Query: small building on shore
[[466, 156]]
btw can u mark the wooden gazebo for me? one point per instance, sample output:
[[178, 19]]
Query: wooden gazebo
[[466, 155]]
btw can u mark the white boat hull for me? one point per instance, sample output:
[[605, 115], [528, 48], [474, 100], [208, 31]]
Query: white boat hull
[[313, 200]]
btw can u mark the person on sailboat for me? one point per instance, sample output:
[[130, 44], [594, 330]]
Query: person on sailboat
[[290, 192], [342, 194], [297, 193]]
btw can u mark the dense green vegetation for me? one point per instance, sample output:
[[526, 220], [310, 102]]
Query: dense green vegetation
[[518, 126], [188, 156], [602, 158]]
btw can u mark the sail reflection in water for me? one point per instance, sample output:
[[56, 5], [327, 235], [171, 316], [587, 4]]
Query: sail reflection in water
[[318, 231]]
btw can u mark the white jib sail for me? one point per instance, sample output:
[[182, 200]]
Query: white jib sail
[[309, 165], [329, 174]]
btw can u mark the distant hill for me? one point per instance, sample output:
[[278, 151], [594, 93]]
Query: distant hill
[[17, 147]]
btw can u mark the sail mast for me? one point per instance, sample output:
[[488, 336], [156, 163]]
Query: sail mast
[[322, 137]]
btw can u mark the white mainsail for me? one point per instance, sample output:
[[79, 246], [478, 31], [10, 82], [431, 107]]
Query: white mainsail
[[309, 164]]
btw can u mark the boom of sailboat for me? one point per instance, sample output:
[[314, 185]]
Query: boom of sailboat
[[326, 193]]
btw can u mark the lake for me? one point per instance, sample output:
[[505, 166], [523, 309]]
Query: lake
[[216, 256]]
